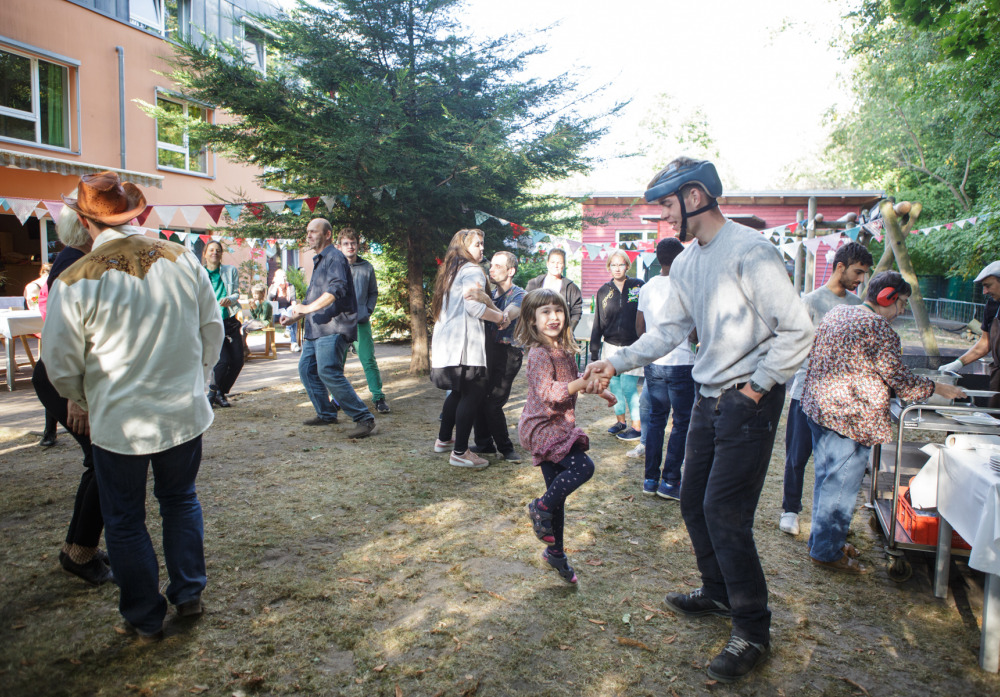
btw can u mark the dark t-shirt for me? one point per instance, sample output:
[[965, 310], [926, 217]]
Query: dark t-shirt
[[990, 313], [66, 257]]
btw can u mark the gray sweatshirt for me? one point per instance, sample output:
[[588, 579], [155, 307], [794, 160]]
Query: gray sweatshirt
[[736, 293]]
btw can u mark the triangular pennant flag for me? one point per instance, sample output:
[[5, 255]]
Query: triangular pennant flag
[[947, 226], [573, 246], [516, 229], [22, 208], [144, 215], [55, 208], [791, 249], [182, 236], [328, 201], [537, 237], [238, 241], [853, 233], [295, 206], [648, 258], [165, 213], [602, 254], [377, 193], [311, 202], [973, 220], [3, 203], [481, 217], [812, 244], [502, 221], [190, 214], [275, 206], [831, 240], [214, 211], [205, 238], [257, 209], [593, 250], [233, 210], [167, 234], [632, 254], [217, 238], [346, 200], [391, 190]]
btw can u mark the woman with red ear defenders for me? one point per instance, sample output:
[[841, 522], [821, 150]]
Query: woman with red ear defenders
[[856, 358]]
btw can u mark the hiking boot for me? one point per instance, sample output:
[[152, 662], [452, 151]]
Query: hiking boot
[[381, 407], [363, 429], [789, 523], [669, 491], [737, 659], [649, 486], [696, 604], [469, 460]]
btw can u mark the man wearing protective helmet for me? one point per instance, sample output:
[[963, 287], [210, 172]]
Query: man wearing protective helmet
[[731, 286]]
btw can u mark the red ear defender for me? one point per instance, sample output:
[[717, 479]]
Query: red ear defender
[[887, 296]]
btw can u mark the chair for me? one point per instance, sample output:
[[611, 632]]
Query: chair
[[270, 351]]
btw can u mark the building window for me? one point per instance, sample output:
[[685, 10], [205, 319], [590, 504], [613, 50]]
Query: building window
[[34, 100], [255, 47], [146, 13], [178, 19], [638, 269], [176, 147]]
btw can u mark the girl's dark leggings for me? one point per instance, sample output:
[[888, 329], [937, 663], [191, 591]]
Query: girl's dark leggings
[[562, 479]]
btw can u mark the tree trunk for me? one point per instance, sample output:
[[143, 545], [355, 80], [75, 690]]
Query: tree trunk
[[420, 357], [897, 243]]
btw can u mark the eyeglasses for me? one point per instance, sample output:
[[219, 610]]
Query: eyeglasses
[[619, 266]]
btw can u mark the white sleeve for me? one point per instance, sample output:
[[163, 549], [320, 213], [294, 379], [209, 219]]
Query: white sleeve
[[64, 344]]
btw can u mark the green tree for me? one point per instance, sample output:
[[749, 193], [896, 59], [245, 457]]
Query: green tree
[[390, 104], [925, 121]]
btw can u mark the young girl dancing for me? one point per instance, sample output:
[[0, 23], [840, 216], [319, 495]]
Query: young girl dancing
[[547, 428]]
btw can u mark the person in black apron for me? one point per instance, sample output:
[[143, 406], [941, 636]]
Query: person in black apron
[[989, 342]]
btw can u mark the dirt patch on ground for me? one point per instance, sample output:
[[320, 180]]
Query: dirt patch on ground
[[363, 568]]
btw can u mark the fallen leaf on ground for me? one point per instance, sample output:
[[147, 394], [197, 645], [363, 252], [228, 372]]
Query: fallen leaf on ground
[[625, 641], [851, 683], [144, 691], [121, 630], [354, 580], [497, 596], [670, 639], [629, 498], [564, 647], [19, 626], [595, 621], [594, 562], [709, 683], [76, 661], [648, 617], [198, 689], [380, 667], [399, 691]]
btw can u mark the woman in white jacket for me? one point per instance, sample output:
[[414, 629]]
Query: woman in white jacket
[[458, 346], [226, 283]]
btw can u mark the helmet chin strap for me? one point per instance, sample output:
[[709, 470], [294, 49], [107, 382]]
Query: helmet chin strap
[[683, 233]]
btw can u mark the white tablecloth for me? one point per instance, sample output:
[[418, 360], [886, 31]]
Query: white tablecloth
[[969, 499], [20, 322]]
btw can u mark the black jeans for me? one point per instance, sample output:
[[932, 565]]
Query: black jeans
[[728, 452], [503, 362], [87, 522], [230, 359], [459, 412]]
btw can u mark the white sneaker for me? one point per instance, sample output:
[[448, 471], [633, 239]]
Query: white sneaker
[[638, 451], [443, 446], [295, 348], [789, 523], [468, 459]]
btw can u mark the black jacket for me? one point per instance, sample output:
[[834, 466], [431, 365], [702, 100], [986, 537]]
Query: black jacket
[[571, 294], [614, 316]]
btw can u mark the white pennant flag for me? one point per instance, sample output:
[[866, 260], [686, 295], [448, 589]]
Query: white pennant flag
[[791, 249], [22, 209], [276, 206], [181, 236], [165, 213], [812, 244], [190, 213], [328, 201]]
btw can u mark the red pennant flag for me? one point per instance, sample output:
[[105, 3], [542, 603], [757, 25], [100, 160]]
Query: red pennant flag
[[238, 241], [583, 253], [205, 238], [214, 211], [271, 241], [439, 262], [311, 202], [167, 233], [257, 209], [518, 230], [141, 218], [948, 226]]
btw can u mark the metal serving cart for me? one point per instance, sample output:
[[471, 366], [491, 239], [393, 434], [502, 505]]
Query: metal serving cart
[[892, 465]]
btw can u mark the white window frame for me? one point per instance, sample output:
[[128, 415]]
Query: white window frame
[[638, 267], [251, 50], [34, 115], [155, 23], [184, 149], [183, 21]]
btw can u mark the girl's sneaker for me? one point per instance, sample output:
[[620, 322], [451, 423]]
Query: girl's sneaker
[[629, 434], [468, 459], [617, 428], [560, 564], [443, 446], [541, 522]]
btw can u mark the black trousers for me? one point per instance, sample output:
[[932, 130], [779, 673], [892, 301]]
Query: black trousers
[[459, 412], [503, 362], [87, 522], [231, 357]]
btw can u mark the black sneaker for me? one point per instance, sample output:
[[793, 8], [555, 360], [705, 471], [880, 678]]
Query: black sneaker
[[483, 449], [317, 421], [95, 572], [737, 659], [381, 407], [511, 456], [696, 604]]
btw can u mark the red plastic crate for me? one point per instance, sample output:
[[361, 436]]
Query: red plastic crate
[[922, 526]]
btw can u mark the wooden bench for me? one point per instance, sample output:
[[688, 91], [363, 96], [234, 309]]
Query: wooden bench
[[270, 351]]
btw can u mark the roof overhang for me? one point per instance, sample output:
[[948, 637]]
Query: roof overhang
[[21, 160], [828, 197]]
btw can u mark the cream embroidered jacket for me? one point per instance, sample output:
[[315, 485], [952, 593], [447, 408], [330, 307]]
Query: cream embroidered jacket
[[132, 330]]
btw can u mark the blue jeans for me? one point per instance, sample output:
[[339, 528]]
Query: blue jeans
[[668, 387], [121, 482], [321, 369], [798, 448], [840, 466], [729, 446]]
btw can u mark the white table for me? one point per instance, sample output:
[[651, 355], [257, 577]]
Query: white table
[[969, 502], [15, 324]]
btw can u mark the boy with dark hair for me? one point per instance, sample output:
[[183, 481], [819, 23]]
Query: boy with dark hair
[[850, 264]]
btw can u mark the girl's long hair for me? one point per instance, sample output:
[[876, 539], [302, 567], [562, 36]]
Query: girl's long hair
[[455, 258], [526, 333]]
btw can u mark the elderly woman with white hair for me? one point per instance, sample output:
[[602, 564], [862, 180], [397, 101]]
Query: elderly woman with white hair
[[80, 554]]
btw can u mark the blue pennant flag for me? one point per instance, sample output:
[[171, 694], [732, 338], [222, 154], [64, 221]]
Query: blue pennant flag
[[234, 210], [295, 206]]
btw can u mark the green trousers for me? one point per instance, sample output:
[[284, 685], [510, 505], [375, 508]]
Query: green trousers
[[366, 354]]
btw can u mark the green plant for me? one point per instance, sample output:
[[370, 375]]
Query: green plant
[[251, 271], [297, 279]]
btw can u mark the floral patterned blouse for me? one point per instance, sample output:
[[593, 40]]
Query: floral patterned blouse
[[856, 357], [547, 428]]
